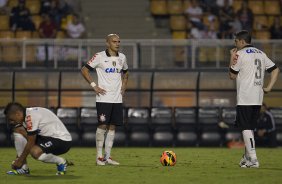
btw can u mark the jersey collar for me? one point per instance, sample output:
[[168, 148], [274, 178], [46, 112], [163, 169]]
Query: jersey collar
[[246, 46], [108, 54]]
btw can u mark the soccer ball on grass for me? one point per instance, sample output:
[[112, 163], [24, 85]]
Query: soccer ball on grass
[[168, 158]]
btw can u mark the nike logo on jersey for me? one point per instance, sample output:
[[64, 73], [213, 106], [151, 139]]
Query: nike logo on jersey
[[113, 70]]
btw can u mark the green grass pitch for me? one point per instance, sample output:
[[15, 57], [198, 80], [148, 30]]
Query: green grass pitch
[[141, 165]]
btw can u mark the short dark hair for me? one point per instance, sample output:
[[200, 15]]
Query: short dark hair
[[13, 107], [243, 35]]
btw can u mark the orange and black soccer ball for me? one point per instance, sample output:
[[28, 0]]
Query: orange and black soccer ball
[[168, 158]]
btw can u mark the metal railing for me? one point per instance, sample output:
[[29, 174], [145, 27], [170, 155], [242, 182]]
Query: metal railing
[[146, 88], [141, 54]]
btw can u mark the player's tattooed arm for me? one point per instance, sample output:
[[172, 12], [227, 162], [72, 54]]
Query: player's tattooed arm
[[124, 81]]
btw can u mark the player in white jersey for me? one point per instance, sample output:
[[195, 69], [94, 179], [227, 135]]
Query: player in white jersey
[[247, 66], [112, 72], [40, 133]]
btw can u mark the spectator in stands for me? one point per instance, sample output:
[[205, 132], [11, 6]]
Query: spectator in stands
[[210, 33], [211, 25], [65, 21], [3, 7], [246, 16], [226, 15], [55, 13], [235, 27], [276, 29], [265, 132], [65, 7], [47, 28], [75, 29], [195, 14], [222, 3], [20, 18], [208, 4], [236, 24], [195, 33], [45, 6]]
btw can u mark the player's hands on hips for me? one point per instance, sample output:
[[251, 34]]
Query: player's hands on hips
[[16, 164], [261, 132], [99, 91]]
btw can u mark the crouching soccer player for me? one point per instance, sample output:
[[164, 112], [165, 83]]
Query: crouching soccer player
[[44, 137]]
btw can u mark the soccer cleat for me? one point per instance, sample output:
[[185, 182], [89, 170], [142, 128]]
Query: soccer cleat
[[100, 161], [19, 172], [243, 161], [110, 161], [61, 169], [251, 164]]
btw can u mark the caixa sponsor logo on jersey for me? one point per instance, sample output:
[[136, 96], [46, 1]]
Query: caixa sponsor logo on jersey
[[112, 70], [253, 51]]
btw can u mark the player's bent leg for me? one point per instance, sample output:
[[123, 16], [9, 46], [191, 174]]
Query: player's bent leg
[[48, 148], [50, 158]]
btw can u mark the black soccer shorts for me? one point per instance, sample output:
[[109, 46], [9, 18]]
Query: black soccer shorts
[[53, 145], [247, 116], [109, 113]]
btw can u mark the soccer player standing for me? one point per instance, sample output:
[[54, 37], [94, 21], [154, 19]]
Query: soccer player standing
[[247, 66], [45, 134], [112, 72]]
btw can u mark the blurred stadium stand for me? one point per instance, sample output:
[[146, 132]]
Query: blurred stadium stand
[[176, 108], [185, 119], [88, 125], [70, 117], [162, 127], [174, 12], [4, 132], [138, 126]]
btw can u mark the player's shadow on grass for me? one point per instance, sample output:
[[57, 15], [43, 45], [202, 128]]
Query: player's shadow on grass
[[39, 177]]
